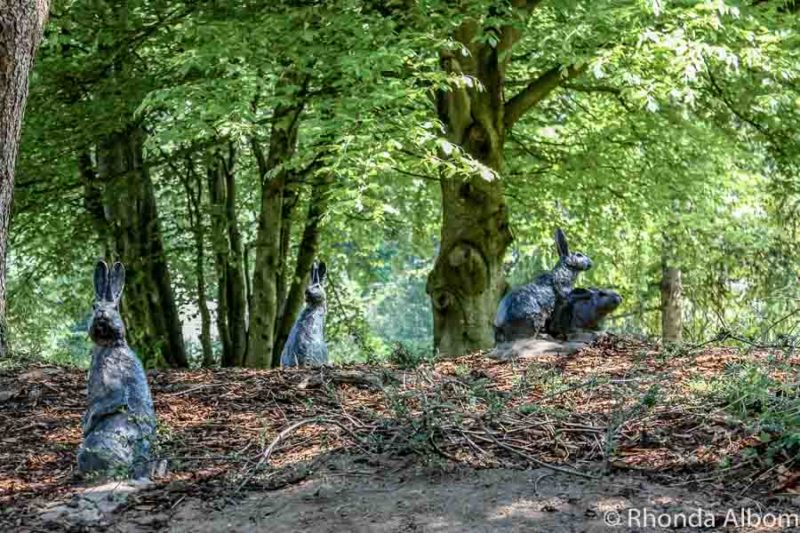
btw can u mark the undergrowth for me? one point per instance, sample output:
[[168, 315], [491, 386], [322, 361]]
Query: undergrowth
[[765, 397]]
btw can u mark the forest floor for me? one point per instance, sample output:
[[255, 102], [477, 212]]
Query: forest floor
[[554, 443]]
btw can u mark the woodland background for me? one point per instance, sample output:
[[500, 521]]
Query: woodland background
[[218, 147]]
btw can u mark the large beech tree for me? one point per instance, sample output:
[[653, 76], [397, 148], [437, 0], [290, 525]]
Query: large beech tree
[[467, 280], [21, 28]]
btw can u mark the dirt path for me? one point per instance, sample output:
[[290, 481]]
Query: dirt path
[[345, 494]]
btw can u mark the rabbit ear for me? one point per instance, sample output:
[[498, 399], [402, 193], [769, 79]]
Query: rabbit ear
[[561, 243], [100, 280], [321, 271], [314, 270], [117, 282]]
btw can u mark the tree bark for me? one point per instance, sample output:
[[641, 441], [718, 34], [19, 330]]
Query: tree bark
[[237, 304], [273, 171], [93, 202], [202, 304], [221, 247], [193, 186], [467, 279], [130, 207], [290, 199], [307, 251], [671, 298], [231, 302], [21, 28]]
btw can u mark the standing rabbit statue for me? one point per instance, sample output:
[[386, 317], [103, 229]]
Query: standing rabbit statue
[[306, 342], [524, 311], [584, 309], [119, 425]]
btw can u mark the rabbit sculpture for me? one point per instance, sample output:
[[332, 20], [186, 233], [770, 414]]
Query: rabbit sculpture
[[119, 424], [584, 309], [524, 311], [305, 345]]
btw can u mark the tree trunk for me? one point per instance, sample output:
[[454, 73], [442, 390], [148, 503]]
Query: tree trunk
[[248, 281], [237, 305], [130, 206], [202, 304], [265, 296], [231, 303], [307, 251], [671, 299], [273, 172], [21, 27], [93, 202], [467, 280], [194, 205], [221, 247], [290, 199]]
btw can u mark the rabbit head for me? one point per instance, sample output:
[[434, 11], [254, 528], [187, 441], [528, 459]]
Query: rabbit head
[[591, 306], [106, 327], [606, 301], [575, 261], [603, 301], [315, 293]]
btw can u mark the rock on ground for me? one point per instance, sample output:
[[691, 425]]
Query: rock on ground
[[93, 506], [543, 345]]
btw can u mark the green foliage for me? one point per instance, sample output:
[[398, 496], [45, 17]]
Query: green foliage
[[683, 125], [405, 357], [752, 393]]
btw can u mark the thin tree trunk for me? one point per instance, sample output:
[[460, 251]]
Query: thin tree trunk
[[202, 304], [21, 27], [93, 202], [194, 204], [131, 211], [671, 296], [237, 304], [221, 247], [248, 281], [307, 251], [231, 302], [467, 279], [273, 172], [265, 290], [290, 199]]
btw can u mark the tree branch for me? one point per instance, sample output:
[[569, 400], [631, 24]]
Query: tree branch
[[536, 91], [261, 161], [760, 128], [609, 89]]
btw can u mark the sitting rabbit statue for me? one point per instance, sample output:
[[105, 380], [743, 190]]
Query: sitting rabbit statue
[[584, 309], [119, 425], [524, 311], [306, 342]]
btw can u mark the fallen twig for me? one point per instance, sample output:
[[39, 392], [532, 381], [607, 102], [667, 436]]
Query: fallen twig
[[283, 435]]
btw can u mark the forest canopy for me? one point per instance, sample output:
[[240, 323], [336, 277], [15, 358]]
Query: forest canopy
[[425, 149]]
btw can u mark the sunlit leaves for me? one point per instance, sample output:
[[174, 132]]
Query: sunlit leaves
[[643, 142]]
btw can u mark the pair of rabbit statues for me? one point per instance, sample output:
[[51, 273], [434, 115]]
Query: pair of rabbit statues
[[120, 423], [551, 305]]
